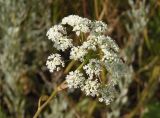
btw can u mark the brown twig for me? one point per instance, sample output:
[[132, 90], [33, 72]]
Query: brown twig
[[84, 4]]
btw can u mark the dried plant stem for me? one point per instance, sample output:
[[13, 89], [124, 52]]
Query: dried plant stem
[[149, 65], [85, 5], [102, 13], [96, 8], [91, 109], [145, 95]]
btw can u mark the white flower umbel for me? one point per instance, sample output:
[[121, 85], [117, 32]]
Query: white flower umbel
[[75, 79], [99, 27], [91, 87], [72, 20], [56, 32], [109, 55], [78, 53], [79, 24], [54, 62], [93, 51], [108, 93], [58, 35], [105, 42], [93, 68], [63, 43], [89, 45]]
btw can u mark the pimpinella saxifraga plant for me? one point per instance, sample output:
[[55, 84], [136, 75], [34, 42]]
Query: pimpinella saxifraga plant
[[97, 65]]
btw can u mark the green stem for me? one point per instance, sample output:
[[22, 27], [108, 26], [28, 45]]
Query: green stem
[[103, 72], [45, 104], [70, 65], [81, 65], [54, 93]]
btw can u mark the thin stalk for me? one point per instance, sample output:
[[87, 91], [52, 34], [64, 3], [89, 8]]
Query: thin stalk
[[40, 108], [70, 65], [103, 72], [92, 108], [145, 93], [62, 86], [96, 8], [80, 66]]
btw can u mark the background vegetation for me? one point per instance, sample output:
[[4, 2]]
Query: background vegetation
[[133, 24]]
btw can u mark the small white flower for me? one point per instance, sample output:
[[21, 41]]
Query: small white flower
[[107, 42], [54, 62], [78, 53], [112, 44], [108, 93], [91, 87], [63, 43], [79, 24], [56, 32], [100, 99], [101, 40], [75, 79], [83, 26], [71, 20], [58, 35], [93, 68], [99, 27], [109, 56], [106, 101], [89, 45]]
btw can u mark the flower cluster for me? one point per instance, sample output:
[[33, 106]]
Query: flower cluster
[[58, 35], [93, 68], [99, 27], [75, 79], [54, 62], [79, 24], [91, 87], [94, 51], [78, 53], [108, 93]]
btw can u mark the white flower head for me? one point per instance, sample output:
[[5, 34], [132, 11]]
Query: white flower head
[[99, 27], [54, 62], [108, 93], [91, 87], [63, 43], [79, 24], [94, 41], [107, 101], [58, 35], [78, 53], [93, 68], [71, 20], [83, 26], [89, 45], [105, 42], [56, 32], [75, 79], [109, 55]]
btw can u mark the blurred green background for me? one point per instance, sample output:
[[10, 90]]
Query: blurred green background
[[133, 24]]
